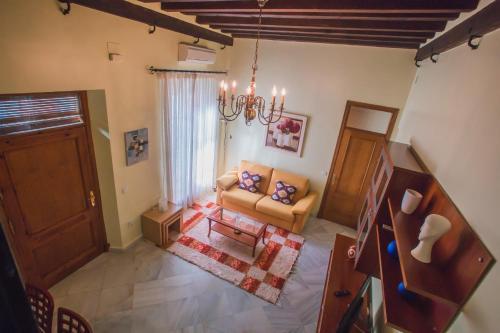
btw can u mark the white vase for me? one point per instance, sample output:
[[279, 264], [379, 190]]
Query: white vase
[[162, 204], [279, 140], [411, 200], [287, 140], [276, 132]]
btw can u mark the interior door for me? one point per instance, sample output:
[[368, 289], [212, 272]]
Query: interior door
[[51, 202], [352, 172]]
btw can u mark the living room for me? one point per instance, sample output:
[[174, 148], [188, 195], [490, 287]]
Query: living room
[[117, 63]]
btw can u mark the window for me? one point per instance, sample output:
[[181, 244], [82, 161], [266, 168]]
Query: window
[[34, 112]]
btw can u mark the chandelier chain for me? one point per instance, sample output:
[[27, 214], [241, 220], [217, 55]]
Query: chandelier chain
[[256, 56]]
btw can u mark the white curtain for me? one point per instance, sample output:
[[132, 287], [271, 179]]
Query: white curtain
[[190, 135]]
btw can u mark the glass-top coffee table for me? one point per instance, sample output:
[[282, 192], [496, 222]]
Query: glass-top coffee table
[[236, 226]]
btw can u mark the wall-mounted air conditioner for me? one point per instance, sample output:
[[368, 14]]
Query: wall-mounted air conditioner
[[196, 54]]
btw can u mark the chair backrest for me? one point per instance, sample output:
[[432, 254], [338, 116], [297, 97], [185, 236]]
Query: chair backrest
[[71, 322], [42, 305]]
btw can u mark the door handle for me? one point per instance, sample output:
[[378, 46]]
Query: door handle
[[92, 198]]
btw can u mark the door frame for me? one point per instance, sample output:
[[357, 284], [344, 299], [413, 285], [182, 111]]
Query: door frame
[[82, 95], [392, 122]]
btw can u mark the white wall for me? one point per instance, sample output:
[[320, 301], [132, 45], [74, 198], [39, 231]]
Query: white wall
[[319, 79], [452, 118], [42, 50]]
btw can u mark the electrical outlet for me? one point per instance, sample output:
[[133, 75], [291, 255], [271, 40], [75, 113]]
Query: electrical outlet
[[130, 224]]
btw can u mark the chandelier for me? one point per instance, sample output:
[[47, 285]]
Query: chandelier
[[251, 105]]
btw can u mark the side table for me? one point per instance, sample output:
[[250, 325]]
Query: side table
[[157, 225]]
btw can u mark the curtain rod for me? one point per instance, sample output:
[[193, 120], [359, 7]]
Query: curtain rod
[[152, 70]]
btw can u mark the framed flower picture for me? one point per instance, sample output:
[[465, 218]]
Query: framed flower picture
[[287, 134]]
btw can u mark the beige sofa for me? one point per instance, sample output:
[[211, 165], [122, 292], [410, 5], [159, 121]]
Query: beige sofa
[[260, 205]]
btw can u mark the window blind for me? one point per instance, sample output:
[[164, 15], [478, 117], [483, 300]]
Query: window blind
[[26, 113]]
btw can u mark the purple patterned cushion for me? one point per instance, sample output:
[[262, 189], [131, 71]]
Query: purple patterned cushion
[[250, 181], [284, 193]]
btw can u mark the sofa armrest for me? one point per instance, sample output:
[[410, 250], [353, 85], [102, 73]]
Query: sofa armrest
[[226, 181], [233, 171], [304, 205]]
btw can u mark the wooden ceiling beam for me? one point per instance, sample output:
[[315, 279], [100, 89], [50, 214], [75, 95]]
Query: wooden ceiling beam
[[335, 37], [150, 17], [402, 34], [481, 23], [338, 16], [322, 24], [334, 41], [413, 39], [337, 6]]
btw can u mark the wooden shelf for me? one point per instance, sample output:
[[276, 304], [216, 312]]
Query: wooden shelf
[[341, 275], [419, 315], [430, 280]]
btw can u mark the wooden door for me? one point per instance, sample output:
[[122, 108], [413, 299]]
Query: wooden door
[[51, 201], [352, 172]]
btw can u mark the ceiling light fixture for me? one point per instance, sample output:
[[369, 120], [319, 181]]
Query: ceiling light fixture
[[252, 105]]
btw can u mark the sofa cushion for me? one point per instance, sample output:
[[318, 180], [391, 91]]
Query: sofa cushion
[[300, 182], [241, 197], [250, 181], [284, 193], [267, 205], [264, 171]]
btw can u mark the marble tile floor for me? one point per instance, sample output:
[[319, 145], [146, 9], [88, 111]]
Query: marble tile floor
[[146, 289]]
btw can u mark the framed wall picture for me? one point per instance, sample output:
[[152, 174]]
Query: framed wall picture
[[287, 134], [136, 146]]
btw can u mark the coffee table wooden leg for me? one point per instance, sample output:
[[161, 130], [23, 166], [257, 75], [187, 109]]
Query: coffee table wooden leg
[[209, 227], [264, 235]]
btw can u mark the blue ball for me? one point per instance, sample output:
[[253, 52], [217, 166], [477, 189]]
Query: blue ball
[[392, 250], [405, 293]]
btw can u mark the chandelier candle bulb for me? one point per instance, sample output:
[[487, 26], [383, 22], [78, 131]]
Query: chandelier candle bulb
[[221, 88], [233, 87], [283, 93]]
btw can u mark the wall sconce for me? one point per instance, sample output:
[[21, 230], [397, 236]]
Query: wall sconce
[[114, 53]]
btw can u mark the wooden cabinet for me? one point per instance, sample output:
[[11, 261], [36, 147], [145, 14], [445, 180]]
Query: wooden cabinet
[[441, 288], [460, 259], [341, 275]]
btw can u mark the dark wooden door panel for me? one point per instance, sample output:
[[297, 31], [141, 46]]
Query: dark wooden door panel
[[48, 180], [63, 250], [51, 200]]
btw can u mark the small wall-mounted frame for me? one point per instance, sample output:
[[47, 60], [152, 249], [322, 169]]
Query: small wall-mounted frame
[[136, 146], [114, 52]]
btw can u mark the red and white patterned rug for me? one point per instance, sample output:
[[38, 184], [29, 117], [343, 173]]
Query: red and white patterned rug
[[263, 275]]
